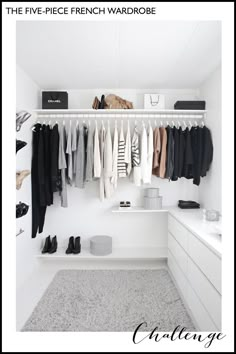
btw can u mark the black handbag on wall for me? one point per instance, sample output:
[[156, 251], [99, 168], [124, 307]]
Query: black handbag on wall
[[54, 100]]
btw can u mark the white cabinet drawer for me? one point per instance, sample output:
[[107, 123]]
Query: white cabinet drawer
[[178, 231], [199, 313], [208, 295], [178, 252], [206, 260], [177, 274]]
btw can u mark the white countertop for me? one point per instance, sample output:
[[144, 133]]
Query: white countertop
[[207, 231]]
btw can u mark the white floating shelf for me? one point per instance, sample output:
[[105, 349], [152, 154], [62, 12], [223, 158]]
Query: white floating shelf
[[137, 210], [117, 254], [129, 112]]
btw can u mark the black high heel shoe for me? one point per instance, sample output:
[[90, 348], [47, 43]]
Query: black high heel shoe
[[20, 144], [53, 247], [21, 209], [47, 245]]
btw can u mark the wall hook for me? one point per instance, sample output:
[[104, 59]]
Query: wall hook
[[20, 232]]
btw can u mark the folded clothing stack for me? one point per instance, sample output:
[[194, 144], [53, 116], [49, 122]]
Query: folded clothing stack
[[188, 204]]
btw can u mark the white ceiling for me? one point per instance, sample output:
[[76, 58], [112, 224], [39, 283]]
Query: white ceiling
[[86, 55]]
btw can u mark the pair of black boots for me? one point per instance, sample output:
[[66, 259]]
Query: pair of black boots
[[74, 245], [50, 246]]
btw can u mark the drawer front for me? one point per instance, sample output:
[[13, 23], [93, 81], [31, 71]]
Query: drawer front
[[177, 274], [206, 260], [206, 292], [178, 252], [178, 231], [199, 313]]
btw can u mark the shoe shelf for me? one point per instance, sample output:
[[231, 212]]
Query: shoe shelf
[[137, 210], [127, 253]]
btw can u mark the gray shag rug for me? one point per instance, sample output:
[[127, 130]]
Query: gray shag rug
[[109, 300]]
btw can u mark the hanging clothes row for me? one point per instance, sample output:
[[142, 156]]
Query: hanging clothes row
[[75, 154]]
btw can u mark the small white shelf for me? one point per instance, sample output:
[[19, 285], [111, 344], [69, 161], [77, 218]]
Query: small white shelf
[[137, 210], [127, 253]]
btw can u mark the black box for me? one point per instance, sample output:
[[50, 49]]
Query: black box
[[54, 100], [190, 105]]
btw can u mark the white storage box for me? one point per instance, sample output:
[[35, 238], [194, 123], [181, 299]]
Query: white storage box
[[101, 245], [151, 192], [153, 203]]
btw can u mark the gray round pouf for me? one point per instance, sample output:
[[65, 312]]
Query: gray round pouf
[[101, 245]]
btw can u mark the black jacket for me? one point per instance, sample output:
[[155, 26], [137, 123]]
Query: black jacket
[[207, 151], [187, 170], [181, 152], [175, 174], [197, 148], [169, 153]]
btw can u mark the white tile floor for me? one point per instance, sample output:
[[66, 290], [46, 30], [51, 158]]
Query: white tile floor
[[30, 293]]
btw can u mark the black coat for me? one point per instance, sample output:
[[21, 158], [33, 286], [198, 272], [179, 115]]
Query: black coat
[[207, 151], [187, 170], [197, 148], [175, 174], [169, 153]]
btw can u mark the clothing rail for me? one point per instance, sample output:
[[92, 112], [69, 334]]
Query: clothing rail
[[132, 113]]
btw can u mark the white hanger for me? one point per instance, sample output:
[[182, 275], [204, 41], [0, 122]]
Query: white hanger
[[190, 124], [196, 124], [161, 123], [202, 124], [155, 122], [167, 123], [173, 124]]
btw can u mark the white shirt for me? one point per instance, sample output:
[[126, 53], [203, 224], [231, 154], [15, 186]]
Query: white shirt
[[96, 155], [115, 158], [108, 163], [149, 154], [144, 153]]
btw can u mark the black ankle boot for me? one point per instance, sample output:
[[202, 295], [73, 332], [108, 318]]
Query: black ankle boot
[[53, 247], [71, 245], [47, 245], [77, 248]]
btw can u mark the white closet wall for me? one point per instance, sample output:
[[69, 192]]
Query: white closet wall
[[27, 98], [210, 189]]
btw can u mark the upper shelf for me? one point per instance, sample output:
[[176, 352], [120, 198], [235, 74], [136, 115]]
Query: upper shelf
[[129, 112]]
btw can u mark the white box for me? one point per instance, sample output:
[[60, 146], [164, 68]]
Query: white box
[[154, 101]]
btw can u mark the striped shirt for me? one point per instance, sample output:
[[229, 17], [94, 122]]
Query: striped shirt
[[121, 165], [135, 151]]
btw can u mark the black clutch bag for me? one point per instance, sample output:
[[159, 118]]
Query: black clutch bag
[[190, 105], [55, 100]]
